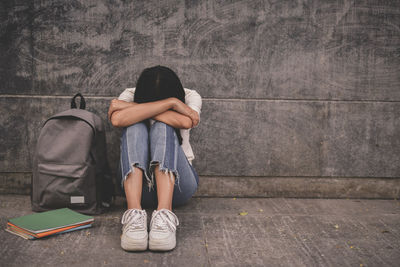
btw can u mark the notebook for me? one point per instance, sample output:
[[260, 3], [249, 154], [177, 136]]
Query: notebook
[[50, 220], [25, 235], [48, 223]]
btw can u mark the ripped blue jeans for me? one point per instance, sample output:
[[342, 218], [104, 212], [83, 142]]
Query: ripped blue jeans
[[146, 148]]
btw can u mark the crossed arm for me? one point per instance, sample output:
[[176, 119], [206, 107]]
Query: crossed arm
[[171, 111]]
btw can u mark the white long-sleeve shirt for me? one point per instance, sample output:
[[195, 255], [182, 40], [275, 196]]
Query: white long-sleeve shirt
[[192, 99]]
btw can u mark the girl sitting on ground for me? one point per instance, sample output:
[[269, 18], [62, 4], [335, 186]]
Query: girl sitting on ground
[[156, 118]]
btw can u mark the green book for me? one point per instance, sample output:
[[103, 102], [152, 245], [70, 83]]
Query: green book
[[50, 220]]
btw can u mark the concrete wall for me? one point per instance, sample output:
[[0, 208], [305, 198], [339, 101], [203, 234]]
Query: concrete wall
[[293, 91]]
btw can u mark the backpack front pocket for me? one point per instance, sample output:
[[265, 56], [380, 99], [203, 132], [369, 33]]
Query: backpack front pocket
[[66, 185]]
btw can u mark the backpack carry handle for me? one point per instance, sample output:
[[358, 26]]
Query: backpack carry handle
[[82, 103]]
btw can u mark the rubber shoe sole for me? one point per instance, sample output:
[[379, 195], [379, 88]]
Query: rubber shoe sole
[[165, 244], [130, 244]]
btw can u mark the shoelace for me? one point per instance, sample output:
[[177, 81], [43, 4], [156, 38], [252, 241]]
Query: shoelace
[[164, 218], [133, 219]]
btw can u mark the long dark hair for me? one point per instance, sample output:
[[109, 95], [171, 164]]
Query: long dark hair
[[157, 83]]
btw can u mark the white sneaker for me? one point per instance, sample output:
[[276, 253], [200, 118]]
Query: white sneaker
[[134, 230], [163, 230]]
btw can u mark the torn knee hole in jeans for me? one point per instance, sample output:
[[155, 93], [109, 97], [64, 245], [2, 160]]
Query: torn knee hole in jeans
[[172, 174]]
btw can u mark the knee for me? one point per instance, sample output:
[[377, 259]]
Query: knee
[[137, 127], [134, 131], [159, 127]]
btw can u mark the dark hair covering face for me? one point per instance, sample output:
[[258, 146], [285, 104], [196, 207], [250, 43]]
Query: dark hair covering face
[[158, 83]]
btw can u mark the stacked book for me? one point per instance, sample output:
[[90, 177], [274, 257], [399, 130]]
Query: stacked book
[[48, 223]]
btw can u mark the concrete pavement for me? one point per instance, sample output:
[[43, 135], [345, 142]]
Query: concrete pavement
[[227, 232]]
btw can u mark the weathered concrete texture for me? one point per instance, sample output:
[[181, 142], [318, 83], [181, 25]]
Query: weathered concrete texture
[[291, 88], [15, 183], [299, 138], [225, 49], [289, 187], [298, 187], [245, 138], [275, 232], [16, 46]]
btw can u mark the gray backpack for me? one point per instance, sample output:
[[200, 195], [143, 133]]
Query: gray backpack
[[70, 164]]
